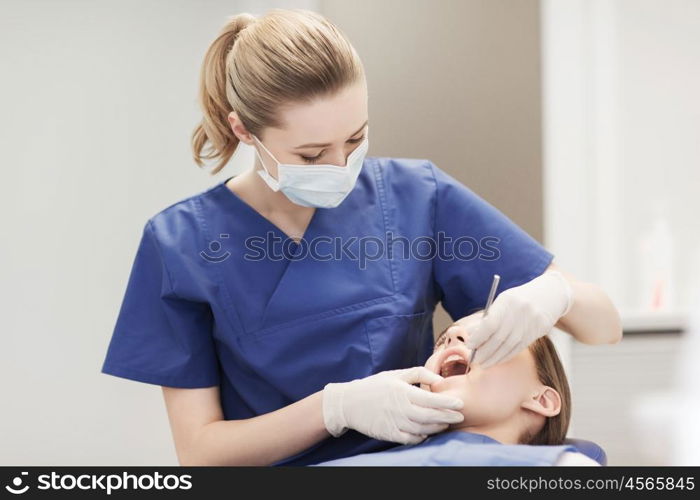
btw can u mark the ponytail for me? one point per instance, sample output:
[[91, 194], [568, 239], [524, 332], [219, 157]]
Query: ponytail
[[213, 99]]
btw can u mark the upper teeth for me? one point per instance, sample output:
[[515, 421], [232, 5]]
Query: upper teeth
[[454, 357]]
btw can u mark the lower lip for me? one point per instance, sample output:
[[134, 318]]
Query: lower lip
[[454, 377]]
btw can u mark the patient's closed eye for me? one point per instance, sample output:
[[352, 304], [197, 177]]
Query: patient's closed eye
[[440, 341]]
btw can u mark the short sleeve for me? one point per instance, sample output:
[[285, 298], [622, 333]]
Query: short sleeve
[[479, 241], [160, 338]]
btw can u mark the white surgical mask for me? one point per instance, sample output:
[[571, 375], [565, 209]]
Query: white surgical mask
[[317, 185]]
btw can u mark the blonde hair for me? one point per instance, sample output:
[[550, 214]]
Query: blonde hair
[[256, 66]]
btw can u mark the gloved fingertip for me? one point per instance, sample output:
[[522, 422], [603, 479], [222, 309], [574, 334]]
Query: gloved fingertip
[[474, 339]]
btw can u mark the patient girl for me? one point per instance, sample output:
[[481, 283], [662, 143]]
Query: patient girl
[[525, 400], [523, 404]]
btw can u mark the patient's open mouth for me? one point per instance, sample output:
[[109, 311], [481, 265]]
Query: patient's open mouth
[[454, 365], [453, 361]]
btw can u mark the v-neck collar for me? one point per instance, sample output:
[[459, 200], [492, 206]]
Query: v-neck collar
[[230, 194], [466, 436]]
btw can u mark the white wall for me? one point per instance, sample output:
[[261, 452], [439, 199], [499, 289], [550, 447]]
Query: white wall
[[98, 103], [621, 118], [659, 130], [621, 121]]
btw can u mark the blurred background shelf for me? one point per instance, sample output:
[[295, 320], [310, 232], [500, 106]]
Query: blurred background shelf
[[673, 321]]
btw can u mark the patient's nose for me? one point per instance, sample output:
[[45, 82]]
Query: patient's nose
[[456, 334]]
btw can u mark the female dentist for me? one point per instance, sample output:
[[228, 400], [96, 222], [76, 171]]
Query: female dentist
[[287, 311]]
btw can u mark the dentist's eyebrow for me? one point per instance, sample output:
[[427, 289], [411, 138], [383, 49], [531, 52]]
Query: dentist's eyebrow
[[319, 145]]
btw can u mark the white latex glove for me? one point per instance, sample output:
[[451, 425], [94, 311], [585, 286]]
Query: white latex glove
[[386, 406], [518, 316]]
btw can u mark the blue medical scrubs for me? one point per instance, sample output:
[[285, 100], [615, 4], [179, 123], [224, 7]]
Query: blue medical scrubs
[[219, 295], [456, 448]]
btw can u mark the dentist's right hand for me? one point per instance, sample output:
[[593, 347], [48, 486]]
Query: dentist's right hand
[[386, 406]]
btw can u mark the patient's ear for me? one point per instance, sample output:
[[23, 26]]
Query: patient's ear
[[545, 401]]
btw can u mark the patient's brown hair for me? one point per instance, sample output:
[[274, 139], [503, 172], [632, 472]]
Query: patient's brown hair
[[550, 372]]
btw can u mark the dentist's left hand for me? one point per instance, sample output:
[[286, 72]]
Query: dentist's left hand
[[518, 316]]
